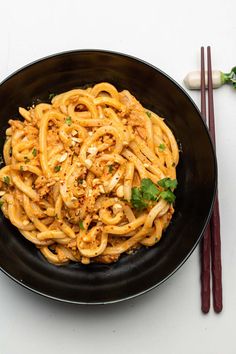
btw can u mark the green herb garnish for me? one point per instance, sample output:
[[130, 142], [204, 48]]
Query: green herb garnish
[[26, 159], [168, 196], [6, 179], [110, 168], [51, 95], [162, 147], [34, 152], [229, 77], [148, 114], [57, 168], [141, 197], [1, 203], [81, 225], [137, 200], [148, 192], [168, 183], [68, 121]]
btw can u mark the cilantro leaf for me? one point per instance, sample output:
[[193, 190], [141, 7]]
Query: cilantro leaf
[[51, 95], [149, 189], [34, 152], [68, 121], [148, 192], [148, 114], [168, 183], [162, 147], [6, 179], [57, 168], [81, 225], [168, 196], [110, 167], [137, 199]]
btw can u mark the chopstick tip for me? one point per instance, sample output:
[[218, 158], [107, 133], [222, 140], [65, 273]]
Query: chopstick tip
[[218, 308], [205, 310]]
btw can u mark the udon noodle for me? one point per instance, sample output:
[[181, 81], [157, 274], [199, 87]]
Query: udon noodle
[[89, 176]]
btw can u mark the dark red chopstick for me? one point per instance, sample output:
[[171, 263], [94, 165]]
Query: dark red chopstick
[[206, 241], [211, 244], [215, 219]]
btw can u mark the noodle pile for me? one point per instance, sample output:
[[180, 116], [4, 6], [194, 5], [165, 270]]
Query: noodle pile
[[89, 176]]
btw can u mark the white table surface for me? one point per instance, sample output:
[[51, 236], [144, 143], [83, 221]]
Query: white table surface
[[168, 34]]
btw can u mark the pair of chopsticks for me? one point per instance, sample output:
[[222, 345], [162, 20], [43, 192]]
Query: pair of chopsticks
[[211, 243]]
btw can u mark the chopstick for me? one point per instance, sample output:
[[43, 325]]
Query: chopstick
[[215, 219], [211, 243], [206, 241]]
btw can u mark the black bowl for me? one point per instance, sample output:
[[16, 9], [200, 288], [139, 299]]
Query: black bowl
[[132, 274]]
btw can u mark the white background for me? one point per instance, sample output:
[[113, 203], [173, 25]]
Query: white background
[[167, 34]]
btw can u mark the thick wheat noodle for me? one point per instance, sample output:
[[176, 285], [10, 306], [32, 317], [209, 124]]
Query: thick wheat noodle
[[71, 166]]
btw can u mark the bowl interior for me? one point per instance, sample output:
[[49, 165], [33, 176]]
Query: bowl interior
[[196, 173]]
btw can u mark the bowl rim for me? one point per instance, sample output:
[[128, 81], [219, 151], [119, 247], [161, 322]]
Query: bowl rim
[[134, 58]]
